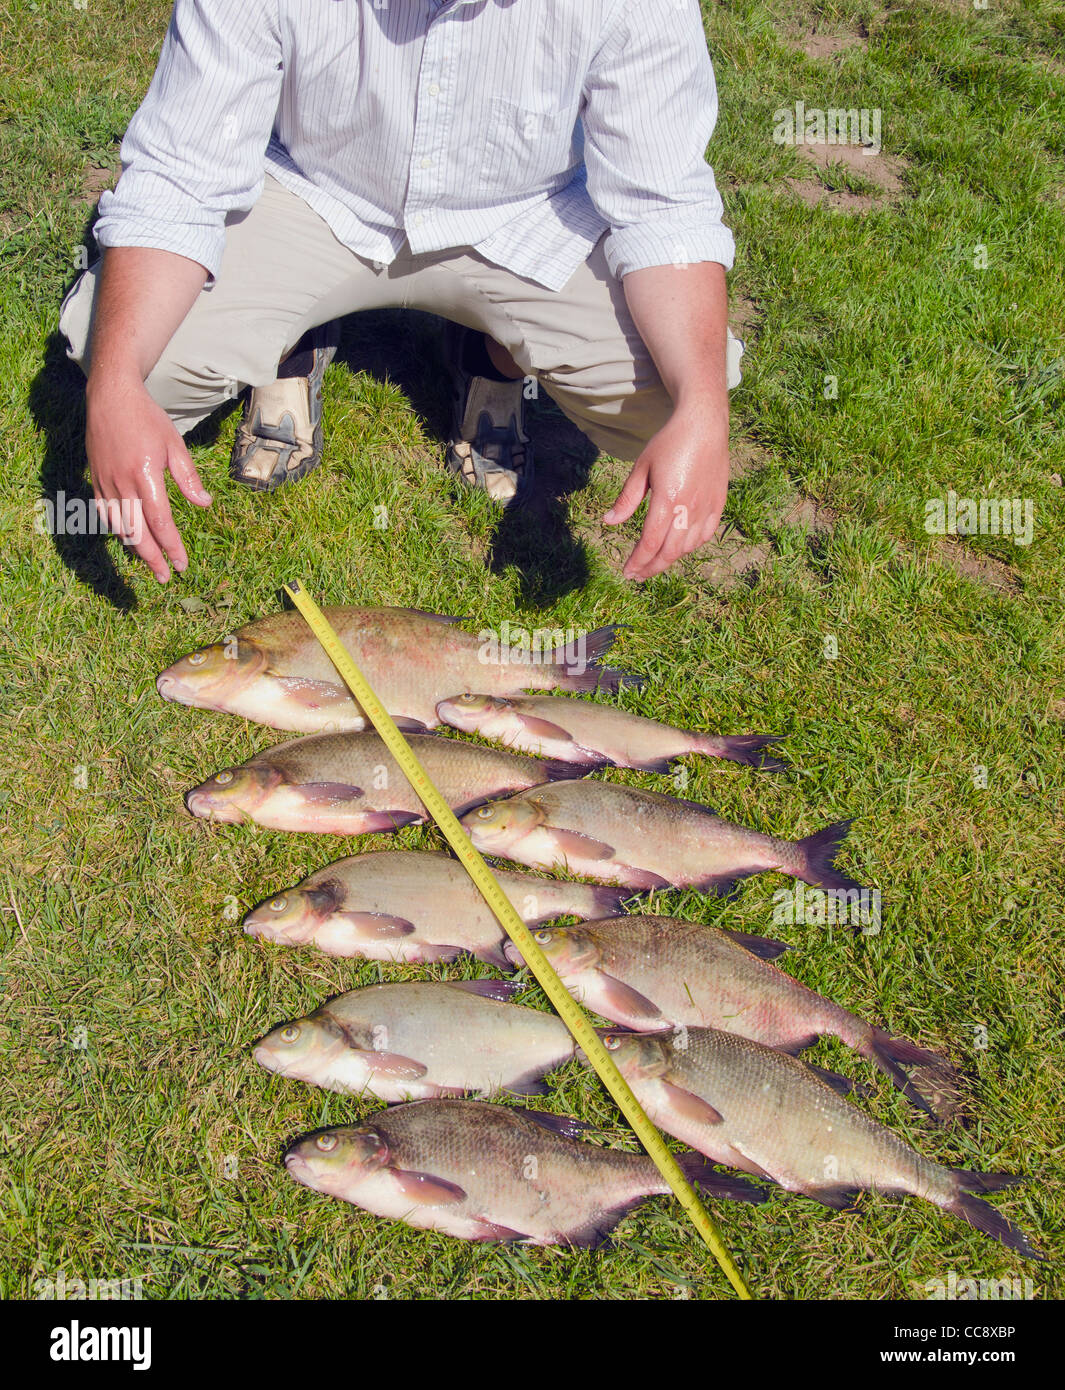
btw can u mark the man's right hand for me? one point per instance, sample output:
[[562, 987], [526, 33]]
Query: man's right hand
[[143, 296], [132, 445]]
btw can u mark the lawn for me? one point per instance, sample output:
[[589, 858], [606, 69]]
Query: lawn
[[902, 312]]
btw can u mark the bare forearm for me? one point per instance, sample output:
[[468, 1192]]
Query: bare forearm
[[680, 312], [143, 297]]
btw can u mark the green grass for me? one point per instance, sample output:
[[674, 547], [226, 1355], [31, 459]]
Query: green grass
[[119, 911]]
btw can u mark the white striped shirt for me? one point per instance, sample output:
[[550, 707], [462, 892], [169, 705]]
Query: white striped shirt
[[523, 128]]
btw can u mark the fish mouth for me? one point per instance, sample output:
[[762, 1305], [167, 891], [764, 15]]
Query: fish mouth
[[266, 1059], [206, 807], [174, 689], [513, 954], [298, 1166]]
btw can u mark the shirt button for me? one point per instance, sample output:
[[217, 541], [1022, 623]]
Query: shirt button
[[427, 163], [434, 89], [418, 220]]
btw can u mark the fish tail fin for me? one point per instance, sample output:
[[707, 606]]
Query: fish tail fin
[[610, 902], [559, 771], [748, 749], [983, 1215], [890, 1054], [819, 852], [593, 677], [698, 1169]]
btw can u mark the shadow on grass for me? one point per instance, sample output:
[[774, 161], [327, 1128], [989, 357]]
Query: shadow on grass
[[401, 346], [406, 348]]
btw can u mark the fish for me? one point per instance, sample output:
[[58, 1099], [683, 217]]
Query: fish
[[414, 906], [748, 1107], [423, 1038], [349, 784], [274, 671], [650, 973], [594, 734], [645, 840], [489, 1172]]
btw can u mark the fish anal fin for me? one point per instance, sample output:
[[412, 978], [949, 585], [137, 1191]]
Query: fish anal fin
[[839, 1198]]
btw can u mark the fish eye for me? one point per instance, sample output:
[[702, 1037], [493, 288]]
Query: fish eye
[[291, 1033], [485, 812], [611, 1042], [223, 779], [467, 699], [326, 1142], [543, 937], [277, 904], [197, 658]]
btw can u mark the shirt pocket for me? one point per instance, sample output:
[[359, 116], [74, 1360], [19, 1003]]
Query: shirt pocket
[[526, 149]]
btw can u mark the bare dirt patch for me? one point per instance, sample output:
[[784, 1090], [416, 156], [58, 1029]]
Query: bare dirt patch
[[819, 41], [98, 179], [730, 560], [883, 170], [809, 515], [745, 457], [983, 568]]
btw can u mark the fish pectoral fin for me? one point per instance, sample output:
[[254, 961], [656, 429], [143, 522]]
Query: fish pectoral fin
[[409, 725], [425, 1190], [623, 1002], [313, 694], [328, 791], [439, 951], [573, 843], [500, 990], [765, 947], [385, 821], [543, 728], [690, 1106], [379, 924], [493, 955], [393, 1065]]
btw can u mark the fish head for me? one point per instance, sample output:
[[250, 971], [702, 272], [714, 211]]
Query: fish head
[[497, 826], [571, 950], [303, 1048], [484, 714], [234, 793], [293, 916], [211, 677], [332, 1160], [638, 1056]]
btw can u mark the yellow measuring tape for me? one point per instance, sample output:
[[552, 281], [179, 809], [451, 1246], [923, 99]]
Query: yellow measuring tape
[[574, 1017]]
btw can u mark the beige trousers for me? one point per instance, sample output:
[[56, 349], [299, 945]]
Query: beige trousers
[[283, 271]]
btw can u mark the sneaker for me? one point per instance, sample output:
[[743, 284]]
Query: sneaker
[[489, 448], [280, 437]]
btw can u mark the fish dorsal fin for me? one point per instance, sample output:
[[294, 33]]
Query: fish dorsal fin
[[765, 947]]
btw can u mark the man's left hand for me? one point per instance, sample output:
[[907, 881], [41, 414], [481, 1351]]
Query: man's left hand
[[684, 471]]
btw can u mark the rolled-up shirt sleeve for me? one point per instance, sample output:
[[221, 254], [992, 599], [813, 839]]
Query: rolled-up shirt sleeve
[[649, 108], [195, 150]]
